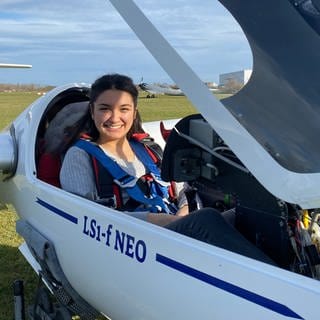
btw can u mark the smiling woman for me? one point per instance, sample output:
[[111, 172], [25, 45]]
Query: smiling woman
[[115, 149], [13, 266]]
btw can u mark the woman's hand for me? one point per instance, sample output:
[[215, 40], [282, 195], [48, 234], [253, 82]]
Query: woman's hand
[[183, 211], [162, 219]]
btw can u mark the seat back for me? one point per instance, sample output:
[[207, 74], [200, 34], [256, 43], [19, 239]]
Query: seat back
[[59, 135]]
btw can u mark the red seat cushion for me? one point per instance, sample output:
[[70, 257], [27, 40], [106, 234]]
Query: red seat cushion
[[49, 169]]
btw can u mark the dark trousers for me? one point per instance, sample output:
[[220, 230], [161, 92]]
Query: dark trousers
[[209, 226]]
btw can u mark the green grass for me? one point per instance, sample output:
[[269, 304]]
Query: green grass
[[12, 264], [166, 107], [11, 104]]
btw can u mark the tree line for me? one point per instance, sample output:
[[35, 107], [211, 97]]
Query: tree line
[[6, 87]]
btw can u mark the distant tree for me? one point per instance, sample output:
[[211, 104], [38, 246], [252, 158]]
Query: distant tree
[[7, 87]]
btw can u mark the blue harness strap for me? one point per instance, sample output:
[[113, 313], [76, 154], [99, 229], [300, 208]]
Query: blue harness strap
[[158, 201], [161, 187], [144, 157]]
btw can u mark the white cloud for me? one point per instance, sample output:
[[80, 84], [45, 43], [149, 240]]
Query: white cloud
[[73, 40]]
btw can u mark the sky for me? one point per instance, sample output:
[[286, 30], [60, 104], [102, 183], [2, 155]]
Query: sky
[[78, 41]]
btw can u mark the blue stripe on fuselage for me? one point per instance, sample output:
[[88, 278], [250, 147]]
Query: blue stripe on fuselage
[[57, 211], [223, 285]]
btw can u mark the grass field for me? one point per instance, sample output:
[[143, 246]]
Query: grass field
[[12, 264]]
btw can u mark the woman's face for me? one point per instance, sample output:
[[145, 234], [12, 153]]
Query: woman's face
[[113, 113]]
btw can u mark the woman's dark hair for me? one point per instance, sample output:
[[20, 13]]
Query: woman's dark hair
[[118, 82]]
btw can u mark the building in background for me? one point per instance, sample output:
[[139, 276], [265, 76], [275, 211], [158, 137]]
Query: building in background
[[237, 77]]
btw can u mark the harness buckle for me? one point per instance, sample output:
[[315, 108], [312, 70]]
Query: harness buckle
[[159, 180], [126, 181]]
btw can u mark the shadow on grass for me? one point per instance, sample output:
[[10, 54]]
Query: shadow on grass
[[13, 266]]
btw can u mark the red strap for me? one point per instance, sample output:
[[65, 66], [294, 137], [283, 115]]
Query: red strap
[[85, 136], [140, 136], [152, 155], [116, 189], [118, 196], [172, 190]]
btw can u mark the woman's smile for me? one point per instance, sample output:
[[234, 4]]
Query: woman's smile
[[112, 126]]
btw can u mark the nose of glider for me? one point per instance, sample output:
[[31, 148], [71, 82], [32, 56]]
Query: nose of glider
[[8, 154]]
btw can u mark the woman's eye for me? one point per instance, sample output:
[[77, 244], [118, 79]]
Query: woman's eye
[[104, 109]]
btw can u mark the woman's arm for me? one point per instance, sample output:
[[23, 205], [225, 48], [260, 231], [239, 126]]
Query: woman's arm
[[183, 208], [77, 175], [162, 219]]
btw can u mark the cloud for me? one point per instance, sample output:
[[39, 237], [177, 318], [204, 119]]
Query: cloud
[[67, 41]]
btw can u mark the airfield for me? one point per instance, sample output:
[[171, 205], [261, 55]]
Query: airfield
[[12, 264]]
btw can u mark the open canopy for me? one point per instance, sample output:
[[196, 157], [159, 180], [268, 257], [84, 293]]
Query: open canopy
[[272, 124], [280, 106]]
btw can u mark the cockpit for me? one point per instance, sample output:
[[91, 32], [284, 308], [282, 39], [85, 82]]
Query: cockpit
[[196, 154]]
